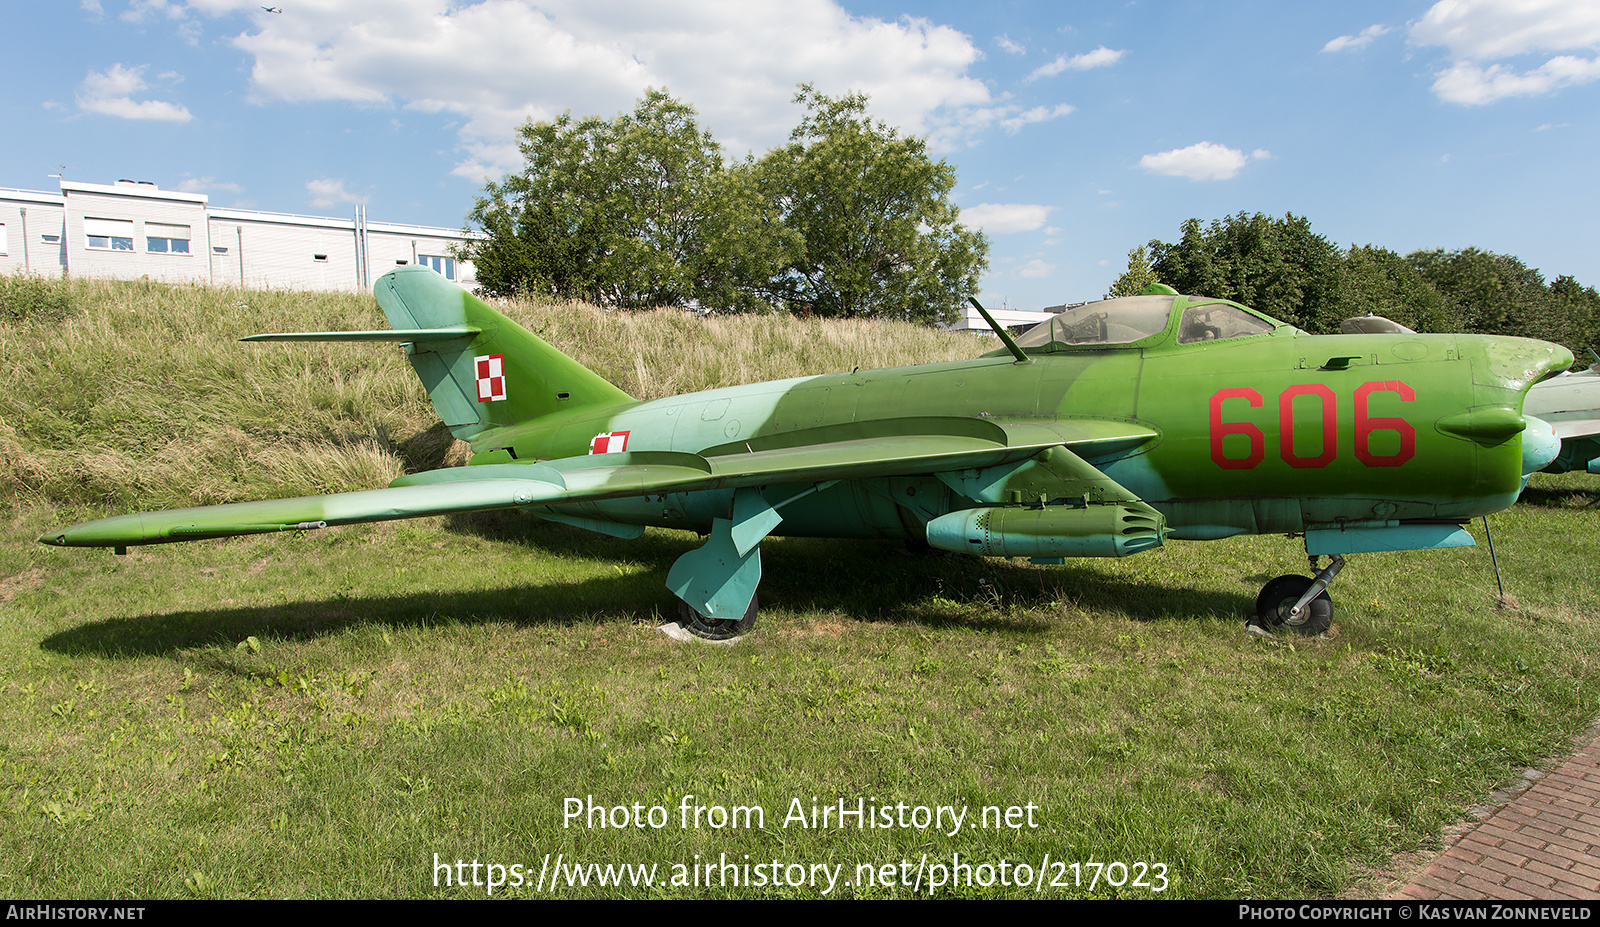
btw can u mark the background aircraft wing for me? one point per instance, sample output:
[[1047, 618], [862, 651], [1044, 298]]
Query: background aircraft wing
[[896, 447], [1571, 404]]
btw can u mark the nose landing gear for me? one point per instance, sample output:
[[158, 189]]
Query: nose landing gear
[[1298, 603]]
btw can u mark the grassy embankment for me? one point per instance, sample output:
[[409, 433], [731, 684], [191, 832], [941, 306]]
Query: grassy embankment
[[318, 716]]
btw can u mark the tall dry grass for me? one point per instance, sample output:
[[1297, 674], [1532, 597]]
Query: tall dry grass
[[138, 394], [666, 352]]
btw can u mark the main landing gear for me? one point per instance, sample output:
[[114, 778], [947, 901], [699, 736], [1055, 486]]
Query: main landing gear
[[715, 629], [1297, 603]]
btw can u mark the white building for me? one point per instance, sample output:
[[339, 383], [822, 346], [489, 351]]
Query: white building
[[129, 230], [1015, 320]]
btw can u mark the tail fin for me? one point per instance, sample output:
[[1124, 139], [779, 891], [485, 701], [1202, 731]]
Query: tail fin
[[481, 369]]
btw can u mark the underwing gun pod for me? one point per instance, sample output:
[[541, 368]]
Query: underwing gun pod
[[1103, 431]]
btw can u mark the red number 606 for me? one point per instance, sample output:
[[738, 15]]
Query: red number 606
[[1365, 425]]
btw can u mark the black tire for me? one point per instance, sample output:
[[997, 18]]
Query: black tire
[[716, 629], [1279, 595]]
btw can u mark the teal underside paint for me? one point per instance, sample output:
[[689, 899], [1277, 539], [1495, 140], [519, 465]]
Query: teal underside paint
[[1577, 454], [1374, 539], [715, 579], [753, 519], [1540, 445], [599, 526], [986, 485]]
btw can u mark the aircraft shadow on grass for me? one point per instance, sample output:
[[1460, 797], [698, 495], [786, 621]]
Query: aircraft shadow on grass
[[927, 589]]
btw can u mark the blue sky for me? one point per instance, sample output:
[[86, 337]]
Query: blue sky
[[1078, 130]]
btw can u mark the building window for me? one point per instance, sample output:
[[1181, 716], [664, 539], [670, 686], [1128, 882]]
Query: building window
[[401, 262], [160, 238], [49, 239], [320, 258], [109, 234], [4, 242], [219, 249], [445, 266]]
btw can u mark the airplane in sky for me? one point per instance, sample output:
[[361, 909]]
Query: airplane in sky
[[1107, 430]]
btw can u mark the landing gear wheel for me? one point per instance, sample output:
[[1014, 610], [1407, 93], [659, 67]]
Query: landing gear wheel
[[719, 629], [1279, 595]]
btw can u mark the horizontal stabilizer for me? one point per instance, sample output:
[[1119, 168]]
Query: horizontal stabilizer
[[390, 334]]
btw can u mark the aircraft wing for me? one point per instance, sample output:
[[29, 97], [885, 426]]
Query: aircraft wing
[[896, 447]]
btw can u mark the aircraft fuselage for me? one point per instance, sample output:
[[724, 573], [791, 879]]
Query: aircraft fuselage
[[1263, 434]]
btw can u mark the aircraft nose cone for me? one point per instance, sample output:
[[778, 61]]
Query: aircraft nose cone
[[1540, 445]]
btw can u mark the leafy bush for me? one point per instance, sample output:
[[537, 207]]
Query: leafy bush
[[31, 296]]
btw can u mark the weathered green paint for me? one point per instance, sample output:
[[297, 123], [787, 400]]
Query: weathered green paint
[[1133, 421]]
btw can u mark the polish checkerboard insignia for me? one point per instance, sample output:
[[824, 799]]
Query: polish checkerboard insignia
[[491, 377], [610, 442]]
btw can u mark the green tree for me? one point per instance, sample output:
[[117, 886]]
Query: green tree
[[1378, 281], [1579, 307], [1137, 277], [1281, 268], [1492, 293], [1498, 294], [1278, 266], [878, 234], [633, 212]]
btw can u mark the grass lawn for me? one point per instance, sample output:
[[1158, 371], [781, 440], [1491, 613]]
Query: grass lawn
[[329, 716], [393, 710]]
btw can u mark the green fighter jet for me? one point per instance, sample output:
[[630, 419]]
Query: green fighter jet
[[1102, 432]]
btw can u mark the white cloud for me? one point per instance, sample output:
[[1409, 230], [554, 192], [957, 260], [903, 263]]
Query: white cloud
[[1357, 42], [1478, 33], [1005, 218], [1014, 124], [140, 10], [1008, 46], [1202, 161], [498, 63], [1036, 269], [110, 93], [207, 184], [1099, 58], [1467, 83], [327, 192], [1483, 30]]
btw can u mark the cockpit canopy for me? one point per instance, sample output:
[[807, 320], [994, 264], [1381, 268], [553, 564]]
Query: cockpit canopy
[[1139, 318]]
